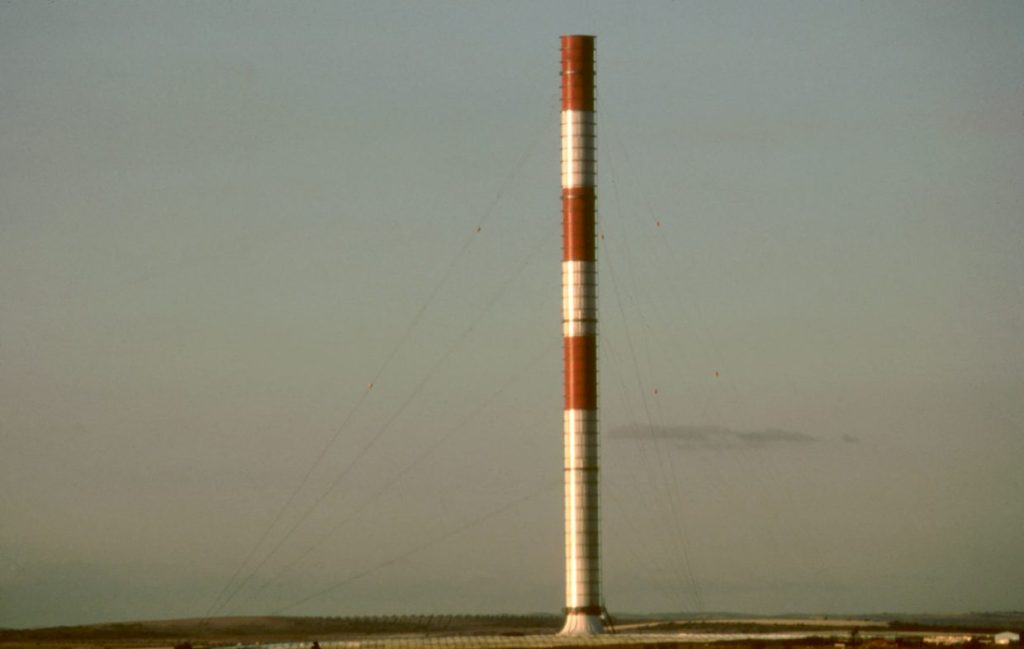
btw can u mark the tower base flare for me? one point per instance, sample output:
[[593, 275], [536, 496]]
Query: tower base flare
[[582, 624]]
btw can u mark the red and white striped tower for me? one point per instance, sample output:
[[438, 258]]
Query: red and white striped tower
[[579, 330]]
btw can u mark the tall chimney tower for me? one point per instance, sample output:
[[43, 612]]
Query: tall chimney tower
[[579, 330]]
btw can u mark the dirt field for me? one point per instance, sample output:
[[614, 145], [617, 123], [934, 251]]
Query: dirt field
[[512, 632]]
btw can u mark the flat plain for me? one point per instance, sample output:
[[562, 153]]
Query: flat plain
[[526, 632]]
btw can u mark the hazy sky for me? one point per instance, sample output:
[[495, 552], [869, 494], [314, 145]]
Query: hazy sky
[[221, 221]]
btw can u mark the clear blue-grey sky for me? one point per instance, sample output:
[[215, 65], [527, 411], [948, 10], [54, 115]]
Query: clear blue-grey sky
[[220, 222]]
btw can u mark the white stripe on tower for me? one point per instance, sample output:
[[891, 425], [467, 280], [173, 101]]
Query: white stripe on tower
[[579, 330]]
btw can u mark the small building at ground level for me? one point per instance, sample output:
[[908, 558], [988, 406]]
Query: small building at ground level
[[947, 639], [1006, 637]]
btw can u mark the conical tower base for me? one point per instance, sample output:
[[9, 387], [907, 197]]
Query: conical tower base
[[582, 624]]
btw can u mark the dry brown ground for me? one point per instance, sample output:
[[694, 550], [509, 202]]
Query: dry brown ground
[[229, 631], [250, 630]]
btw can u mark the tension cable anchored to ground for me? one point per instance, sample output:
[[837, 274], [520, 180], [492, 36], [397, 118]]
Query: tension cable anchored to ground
[[421, 547], [401, 473], [237, 582]]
